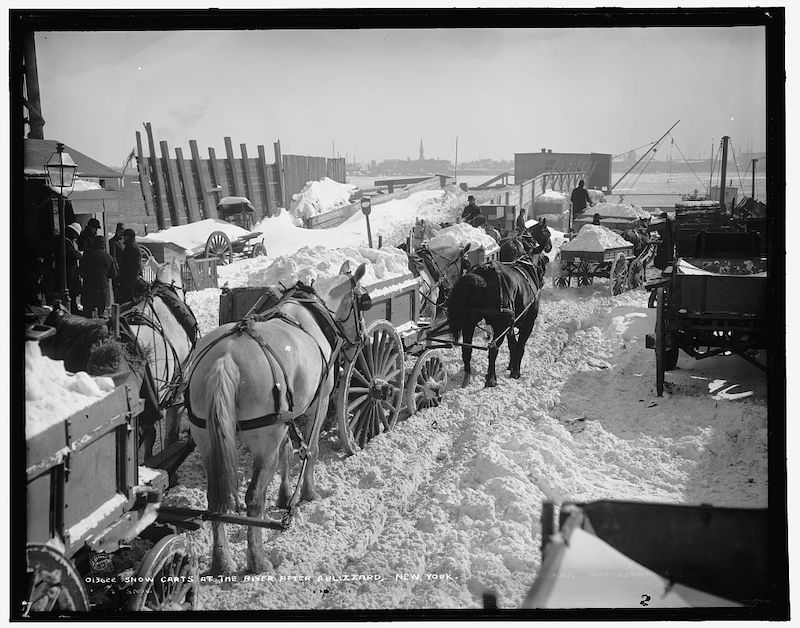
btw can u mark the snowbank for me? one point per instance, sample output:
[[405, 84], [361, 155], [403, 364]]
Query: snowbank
[[595, 238], [52, 394], [596, 196], [320, 196], [459, 235], [613, 210], [193, 236]]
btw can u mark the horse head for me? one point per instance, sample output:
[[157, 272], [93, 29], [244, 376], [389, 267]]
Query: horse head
[[352, 301], [168, 274], [540, 234]]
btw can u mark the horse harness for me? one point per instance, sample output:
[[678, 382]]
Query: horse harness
[[334, 334], [134, 315]]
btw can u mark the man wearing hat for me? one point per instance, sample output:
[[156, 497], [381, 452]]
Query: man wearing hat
[[97, 267], [88, 234], [471, 211], [73, 256], [115, 247]]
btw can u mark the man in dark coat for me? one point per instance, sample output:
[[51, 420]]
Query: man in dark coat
[[88, 234], [520, 223], [471, 211], [97, 267], [130, 266], [115, 248], [580, 198], [73, 256]]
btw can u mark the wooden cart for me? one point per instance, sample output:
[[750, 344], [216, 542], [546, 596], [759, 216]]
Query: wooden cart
[[87, 498]]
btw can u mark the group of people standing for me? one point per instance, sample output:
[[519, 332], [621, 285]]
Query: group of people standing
[[95, 275]]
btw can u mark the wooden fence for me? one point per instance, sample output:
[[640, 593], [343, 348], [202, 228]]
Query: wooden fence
[[178, 190]]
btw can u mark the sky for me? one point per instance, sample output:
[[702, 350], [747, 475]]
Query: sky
[[372, 94]]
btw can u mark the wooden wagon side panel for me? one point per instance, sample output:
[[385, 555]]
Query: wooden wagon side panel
[[719, 294]]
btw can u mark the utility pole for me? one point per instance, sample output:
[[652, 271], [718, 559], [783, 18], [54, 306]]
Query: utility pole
[[456, 167], [33, 101], [723, 173]]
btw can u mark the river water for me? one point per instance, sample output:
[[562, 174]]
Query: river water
[[647, 190]]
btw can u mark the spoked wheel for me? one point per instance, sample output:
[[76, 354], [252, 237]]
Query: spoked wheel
[[169, 576], [635, 274], [618, 276], [53, 582], [585, 277], [427, 383], [562, 274], [219, 245], [371, 389], [259, 250], [148, 274]]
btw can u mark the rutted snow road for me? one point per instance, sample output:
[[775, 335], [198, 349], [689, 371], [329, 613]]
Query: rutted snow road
[[457, 490]]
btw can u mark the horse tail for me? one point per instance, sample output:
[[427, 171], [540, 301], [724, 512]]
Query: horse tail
[[222, 384]]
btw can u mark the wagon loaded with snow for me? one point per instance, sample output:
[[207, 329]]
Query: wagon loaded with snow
[[87, 500], [597, 251], [712, 304]]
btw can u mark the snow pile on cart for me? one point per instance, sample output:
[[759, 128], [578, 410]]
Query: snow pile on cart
[[595, 238], [461, 234], [318, 197], [552, 195], [52, 393], [321, 265], [614, 210], [193, 236]]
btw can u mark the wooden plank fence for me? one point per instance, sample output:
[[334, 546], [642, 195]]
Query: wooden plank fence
[[181, 190]]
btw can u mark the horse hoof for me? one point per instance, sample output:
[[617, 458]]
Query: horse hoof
[[465, 382], [491, 383], [311, 495], [258, 564], [516, 375], [223, 566]]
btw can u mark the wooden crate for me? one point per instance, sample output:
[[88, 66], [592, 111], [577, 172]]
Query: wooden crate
[[80, 471]]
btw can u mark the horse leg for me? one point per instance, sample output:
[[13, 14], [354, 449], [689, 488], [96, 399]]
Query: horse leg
[[525, 330], [221, 559], [494, 349], [309, 491], [266, 444], [285, 489], [172, 423], [466, 352]]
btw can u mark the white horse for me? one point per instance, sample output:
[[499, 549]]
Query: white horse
[[155, 327], [254, 378]]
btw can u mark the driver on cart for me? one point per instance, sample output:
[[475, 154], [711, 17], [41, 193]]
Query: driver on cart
[[472, 213]]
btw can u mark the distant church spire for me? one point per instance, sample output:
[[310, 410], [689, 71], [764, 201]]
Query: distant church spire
[[421, 150]]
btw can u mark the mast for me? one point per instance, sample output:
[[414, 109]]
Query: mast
[[753, 192], [644, 155], [723, 172], [455, 173]]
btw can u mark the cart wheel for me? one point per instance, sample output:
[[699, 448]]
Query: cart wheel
[[219, 245], [371, 390], [635, 274], [147, 272], [583, 272], [427, 383], [618, 276], [53, 582], [170, 577], [259, 250]]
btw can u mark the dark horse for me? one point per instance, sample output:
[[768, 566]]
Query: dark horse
[[638, 235], [506, 296], [530, 242]]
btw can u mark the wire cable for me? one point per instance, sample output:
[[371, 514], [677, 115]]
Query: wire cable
[[688, 164], [736, 163]]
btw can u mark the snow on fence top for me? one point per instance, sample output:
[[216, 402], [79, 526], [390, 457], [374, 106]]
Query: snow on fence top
[[318, 197], [459, 235], [193, 236], [595, 238], [321, 265], [52, 394], [613, 210]]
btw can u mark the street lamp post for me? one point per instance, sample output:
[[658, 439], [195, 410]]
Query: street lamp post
[[60, 170]]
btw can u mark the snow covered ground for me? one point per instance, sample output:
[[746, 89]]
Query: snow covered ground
[[447, 505], [457, 490]]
